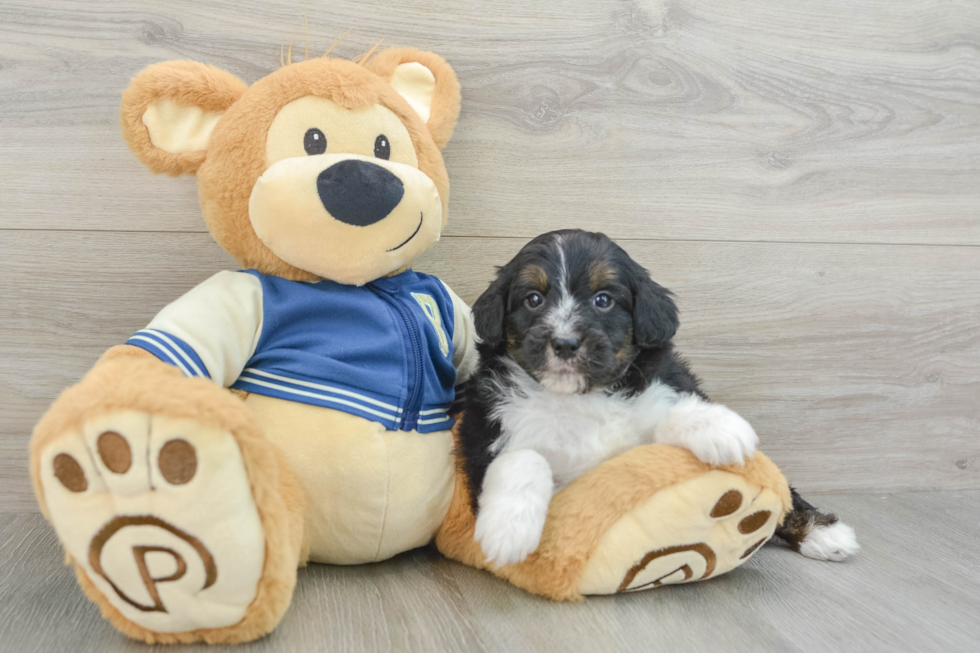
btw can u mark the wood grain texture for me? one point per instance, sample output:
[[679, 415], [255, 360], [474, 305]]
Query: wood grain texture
[[836, 121], [859, 365], [912, 588]]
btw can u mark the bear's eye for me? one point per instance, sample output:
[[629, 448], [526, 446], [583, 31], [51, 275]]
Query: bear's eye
[[382, 148], [314, 142]]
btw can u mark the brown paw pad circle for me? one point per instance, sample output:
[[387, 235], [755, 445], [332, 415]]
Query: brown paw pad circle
[[177, 461], [115, 452], [749, 551], [754, 522], [751, 524], [69, 473], [729, 503]]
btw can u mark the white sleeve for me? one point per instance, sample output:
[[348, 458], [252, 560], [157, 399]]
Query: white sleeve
[[465, 357], [211, 331]]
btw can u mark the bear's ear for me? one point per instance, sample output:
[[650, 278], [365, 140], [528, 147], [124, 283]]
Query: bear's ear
[[427, 82], [170, 109]]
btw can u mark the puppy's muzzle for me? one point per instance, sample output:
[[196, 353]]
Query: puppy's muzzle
[[359, 193]]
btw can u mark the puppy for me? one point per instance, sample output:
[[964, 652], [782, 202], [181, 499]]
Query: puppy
[[577, 367]]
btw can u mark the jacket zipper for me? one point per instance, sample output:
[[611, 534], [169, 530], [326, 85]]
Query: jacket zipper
[[410, 412]]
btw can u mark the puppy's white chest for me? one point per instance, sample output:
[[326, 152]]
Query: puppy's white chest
[[575, 433]]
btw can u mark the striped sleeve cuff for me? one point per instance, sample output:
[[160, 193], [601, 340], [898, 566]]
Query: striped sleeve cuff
[[170, 349]]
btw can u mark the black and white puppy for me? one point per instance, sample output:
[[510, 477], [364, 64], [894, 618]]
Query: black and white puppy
[[577, 367]]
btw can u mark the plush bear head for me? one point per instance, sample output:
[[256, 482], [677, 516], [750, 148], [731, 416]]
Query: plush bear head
[[324, 169]]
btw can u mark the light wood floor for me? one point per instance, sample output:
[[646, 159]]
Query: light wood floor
[[804, 175], [912, 588]]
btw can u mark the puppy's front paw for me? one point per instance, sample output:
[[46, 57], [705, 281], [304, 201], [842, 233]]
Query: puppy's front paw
[[714, 433], [513, 506], [508, 532]]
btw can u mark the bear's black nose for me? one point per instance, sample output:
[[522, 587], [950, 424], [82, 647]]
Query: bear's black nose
[[358, 192]]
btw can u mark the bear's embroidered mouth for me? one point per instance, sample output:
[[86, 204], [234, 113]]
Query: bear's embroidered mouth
[[405, 242]]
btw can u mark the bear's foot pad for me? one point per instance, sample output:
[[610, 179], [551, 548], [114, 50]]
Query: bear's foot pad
[[159, 515], [725, 520]]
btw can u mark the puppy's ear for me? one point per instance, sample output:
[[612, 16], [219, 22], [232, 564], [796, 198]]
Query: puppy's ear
[[490, 310], [655, 318]]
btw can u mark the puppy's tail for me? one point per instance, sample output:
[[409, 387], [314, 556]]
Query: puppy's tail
[[815, 534]]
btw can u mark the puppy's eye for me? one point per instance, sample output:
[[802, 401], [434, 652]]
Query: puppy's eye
[[382, 148], [602, 301], [314, 142], [534, 300]]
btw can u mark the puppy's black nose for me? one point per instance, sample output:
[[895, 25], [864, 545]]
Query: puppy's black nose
[[565, 347], [359, 192]]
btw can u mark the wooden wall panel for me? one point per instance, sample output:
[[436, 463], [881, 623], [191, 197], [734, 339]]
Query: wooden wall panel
[[665, 119], [859, 365]]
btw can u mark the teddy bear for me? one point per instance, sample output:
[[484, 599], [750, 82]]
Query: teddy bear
[[299, 409]]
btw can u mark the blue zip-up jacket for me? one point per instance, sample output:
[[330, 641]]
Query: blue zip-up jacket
[[383, 351]]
